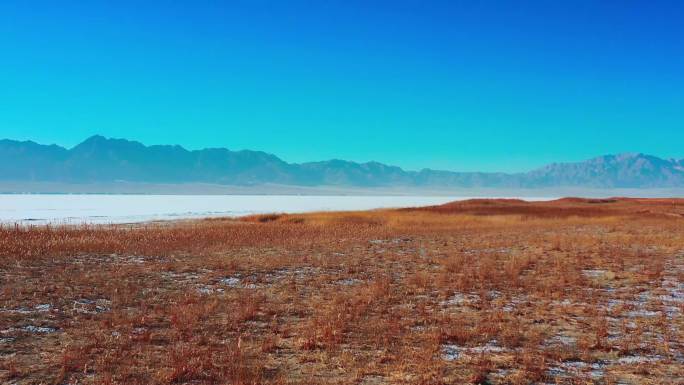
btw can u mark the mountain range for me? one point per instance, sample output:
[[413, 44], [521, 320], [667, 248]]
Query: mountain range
[[99, 159]]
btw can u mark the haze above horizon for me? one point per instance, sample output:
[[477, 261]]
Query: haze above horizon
[[444, 85]]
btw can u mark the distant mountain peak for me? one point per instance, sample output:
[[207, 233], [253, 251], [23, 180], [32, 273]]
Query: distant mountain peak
[[96, 140]]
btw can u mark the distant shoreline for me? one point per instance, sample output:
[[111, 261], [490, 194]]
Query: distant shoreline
[[131, 188]]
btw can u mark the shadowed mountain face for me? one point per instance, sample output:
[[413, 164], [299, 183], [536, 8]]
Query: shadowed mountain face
[[99, 159]]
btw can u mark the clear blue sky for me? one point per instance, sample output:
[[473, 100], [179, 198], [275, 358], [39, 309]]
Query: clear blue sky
[[459, 85]]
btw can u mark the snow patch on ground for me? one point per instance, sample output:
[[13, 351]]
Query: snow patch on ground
[[452, 352]]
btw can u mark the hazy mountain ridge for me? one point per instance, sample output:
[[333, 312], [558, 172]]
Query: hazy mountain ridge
[[622, 170], [99, 159]]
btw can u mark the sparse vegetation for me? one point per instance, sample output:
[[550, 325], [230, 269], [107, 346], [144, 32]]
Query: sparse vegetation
[[486, 291]]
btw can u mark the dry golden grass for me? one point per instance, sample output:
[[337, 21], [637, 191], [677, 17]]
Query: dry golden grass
[[486, 291]]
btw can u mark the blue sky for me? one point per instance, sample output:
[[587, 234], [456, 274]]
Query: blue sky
[[459, 85]]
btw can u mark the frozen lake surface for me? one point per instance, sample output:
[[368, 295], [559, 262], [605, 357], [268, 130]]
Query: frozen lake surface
[[74, 208]]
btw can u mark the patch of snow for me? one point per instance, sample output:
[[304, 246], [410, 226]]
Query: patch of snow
[[635, 360], [181, 277], [460, 299], [372, 380], [209, 290], [230, 281], [491, 347], [348, 282], [389, 241], [451, 352], [236, 282], [21, 310], [561, 340], [573, 368], [642, 313], [593, 273], [513, 303], [90, 306], [38, 329]]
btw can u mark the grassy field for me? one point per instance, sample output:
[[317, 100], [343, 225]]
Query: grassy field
[[487, 291]]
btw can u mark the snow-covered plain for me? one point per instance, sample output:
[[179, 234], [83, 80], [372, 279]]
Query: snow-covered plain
[[76, 208]]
